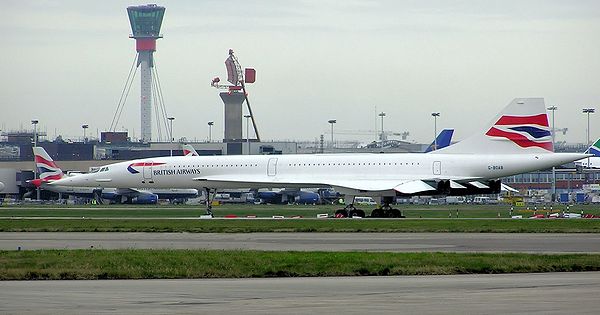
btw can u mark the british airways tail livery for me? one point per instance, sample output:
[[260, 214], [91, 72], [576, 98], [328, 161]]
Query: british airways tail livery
[[516, 141], [441, 141], [522, 127], [47, 169], [188, 150]]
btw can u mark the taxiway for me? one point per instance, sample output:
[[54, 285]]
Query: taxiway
[[548, 293], [390, 242]]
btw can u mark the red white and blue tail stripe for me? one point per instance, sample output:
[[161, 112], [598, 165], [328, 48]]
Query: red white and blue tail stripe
[[525, 131], [188, 150], [47, 169], [520, 128]]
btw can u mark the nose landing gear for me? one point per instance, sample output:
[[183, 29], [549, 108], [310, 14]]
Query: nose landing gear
[[210, 196]]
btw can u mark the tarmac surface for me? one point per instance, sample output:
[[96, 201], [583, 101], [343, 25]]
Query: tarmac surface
[[549, 293], [390, 242]]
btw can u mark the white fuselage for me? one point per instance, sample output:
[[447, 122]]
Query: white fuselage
[[591, 162], [109, 191], [69, 190], [309, 170]]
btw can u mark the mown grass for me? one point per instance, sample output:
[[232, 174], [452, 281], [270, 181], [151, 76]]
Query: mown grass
[[307, 211], [324, 225], [172, 264]]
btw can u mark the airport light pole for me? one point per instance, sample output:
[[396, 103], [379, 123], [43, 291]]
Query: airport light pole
[[248, 131], [332, 122], [34, 122], [382, 114], [84, 127], [553, 109], [435, 116], [588, 111], [210, 124], [171, 133]]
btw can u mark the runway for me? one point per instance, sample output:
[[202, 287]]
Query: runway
[[550, 293], [390, 242]]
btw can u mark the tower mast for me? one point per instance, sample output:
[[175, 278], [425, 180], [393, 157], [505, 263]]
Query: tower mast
[[145, 23]]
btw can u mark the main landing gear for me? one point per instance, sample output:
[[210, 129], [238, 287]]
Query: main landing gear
[[386, 211], [349, 211], [97, 196]]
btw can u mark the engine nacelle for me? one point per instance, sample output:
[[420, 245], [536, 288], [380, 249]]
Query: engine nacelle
[[494, 187], [443, 189]]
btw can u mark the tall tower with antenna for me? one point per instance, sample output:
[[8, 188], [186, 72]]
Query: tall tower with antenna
[[232, 100], [145, 23]]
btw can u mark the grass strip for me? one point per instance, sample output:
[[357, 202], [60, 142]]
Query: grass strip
[[326, 225], [308, 211], [178, 264]]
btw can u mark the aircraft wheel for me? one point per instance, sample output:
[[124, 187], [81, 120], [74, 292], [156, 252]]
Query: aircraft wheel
[[395, 213], [377, 213]]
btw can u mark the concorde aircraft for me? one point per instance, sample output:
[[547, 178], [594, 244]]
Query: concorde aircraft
[[49, 172], [517, 140]]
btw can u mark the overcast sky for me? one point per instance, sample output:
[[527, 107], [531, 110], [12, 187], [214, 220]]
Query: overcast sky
[[65, 63]]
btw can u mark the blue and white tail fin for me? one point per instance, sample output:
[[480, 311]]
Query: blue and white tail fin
[[188, 150], [441, 141], [521, 127], [592, 161], [47, 169]]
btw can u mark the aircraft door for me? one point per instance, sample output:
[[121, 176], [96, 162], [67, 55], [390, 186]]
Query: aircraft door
[[272, 167], [148, 170], [437, 168]]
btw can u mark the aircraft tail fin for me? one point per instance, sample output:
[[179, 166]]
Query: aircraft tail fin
[[47, 169], [521, 127], [188, 150], [594, 148], [441, 141]]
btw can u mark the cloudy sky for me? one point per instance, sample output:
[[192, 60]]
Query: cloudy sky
[[65, 63]]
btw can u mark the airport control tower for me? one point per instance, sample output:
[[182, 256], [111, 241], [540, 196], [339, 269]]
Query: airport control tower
[[145, 28]]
